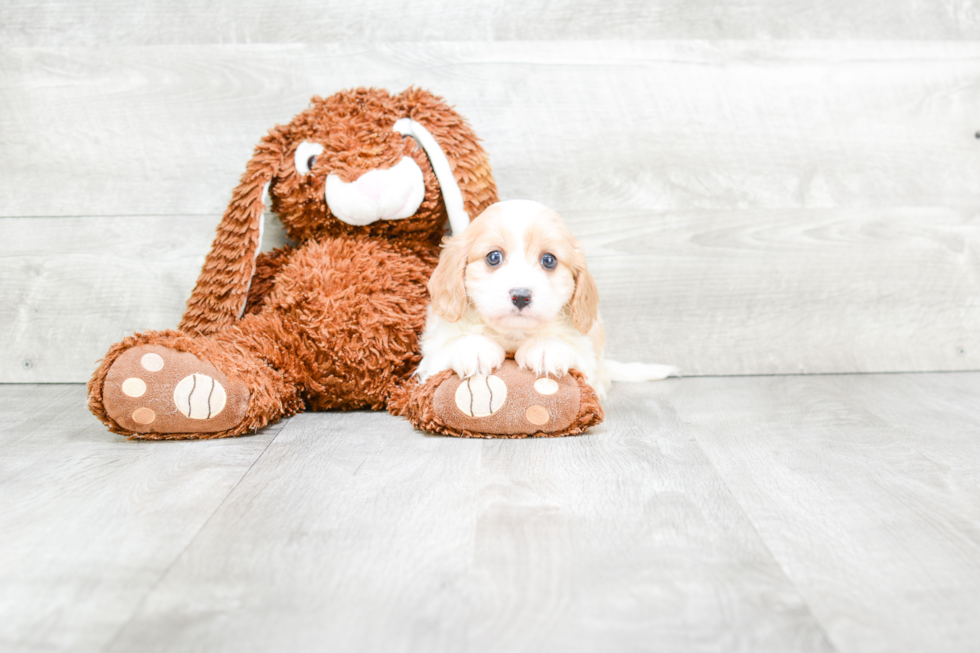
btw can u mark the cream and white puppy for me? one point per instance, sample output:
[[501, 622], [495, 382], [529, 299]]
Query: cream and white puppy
[[515, 282]]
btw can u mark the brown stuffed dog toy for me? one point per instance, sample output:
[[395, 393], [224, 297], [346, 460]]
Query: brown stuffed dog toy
[[364, 183]]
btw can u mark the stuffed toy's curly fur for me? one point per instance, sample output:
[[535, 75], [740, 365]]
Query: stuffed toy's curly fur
[[333, 321]]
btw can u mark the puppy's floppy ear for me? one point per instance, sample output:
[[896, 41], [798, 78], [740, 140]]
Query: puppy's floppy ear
[[221, 291], [585, 300], [447, 286]]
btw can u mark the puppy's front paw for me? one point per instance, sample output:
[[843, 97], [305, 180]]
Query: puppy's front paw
[[475, 355], [546, 356]]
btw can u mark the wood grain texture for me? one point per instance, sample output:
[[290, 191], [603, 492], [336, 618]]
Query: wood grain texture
[[714, 292], [356, 535], [73, 286], [587, 125], [832, 513], [160, 22], [624, 539], [91, 521], [773, 292], [865, 490], [355, 530]]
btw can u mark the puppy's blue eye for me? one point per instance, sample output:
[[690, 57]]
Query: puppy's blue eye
[[494, 258], [548, 262]]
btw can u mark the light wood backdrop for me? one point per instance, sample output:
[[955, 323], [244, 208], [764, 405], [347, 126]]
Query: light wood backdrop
[[762, 187]]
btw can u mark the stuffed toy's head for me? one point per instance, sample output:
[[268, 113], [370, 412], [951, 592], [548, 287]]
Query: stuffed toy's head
[[361, 163], [366, 162]]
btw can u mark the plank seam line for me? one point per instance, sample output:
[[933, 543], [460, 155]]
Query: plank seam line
[[216, 215], [765, 544], [682, 376], [798, 374], [166, 572]]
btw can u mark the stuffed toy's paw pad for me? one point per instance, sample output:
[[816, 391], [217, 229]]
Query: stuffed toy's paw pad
[[154, 389], [511, 402]]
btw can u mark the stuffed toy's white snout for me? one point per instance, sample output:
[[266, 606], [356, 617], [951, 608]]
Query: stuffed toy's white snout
[[392, 194]]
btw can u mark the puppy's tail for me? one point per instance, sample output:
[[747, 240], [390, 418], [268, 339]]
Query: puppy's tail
[[634, 372]]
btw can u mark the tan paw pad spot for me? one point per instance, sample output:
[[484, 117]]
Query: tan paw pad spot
[[199, 396], [481, 396], [143, 416], [546, 386], [537, 415], [133, 387], [152, 362]]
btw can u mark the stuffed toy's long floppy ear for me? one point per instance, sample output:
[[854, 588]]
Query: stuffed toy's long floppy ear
[[455, 153], [452, 196], [222, 289]]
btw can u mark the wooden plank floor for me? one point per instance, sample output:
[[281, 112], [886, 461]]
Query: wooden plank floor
[[794, 513]]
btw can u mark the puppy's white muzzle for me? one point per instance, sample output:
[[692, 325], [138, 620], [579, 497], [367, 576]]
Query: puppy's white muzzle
[[392, 194]]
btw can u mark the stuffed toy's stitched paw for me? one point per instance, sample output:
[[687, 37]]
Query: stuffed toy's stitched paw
[[154, 389], [510, 403]]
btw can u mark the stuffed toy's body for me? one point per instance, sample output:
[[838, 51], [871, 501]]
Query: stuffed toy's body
[[364, 183]]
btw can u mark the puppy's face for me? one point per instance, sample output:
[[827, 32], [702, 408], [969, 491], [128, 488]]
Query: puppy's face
[[519, 268]]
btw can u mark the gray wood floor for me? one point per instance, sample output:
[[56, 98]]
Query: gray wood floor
[[707, 514]]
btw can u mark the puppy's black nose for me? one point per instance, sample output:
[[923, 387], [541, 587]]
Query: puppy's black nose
[[520, 296]]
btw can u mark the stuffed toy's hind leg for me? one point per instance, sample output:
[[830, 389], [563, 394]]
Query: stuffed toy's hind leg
[[338, 331], [510, 403], [167, 385]]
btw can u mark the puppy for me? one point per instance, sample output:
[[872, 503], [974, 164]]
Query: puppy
[[515, 283]]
